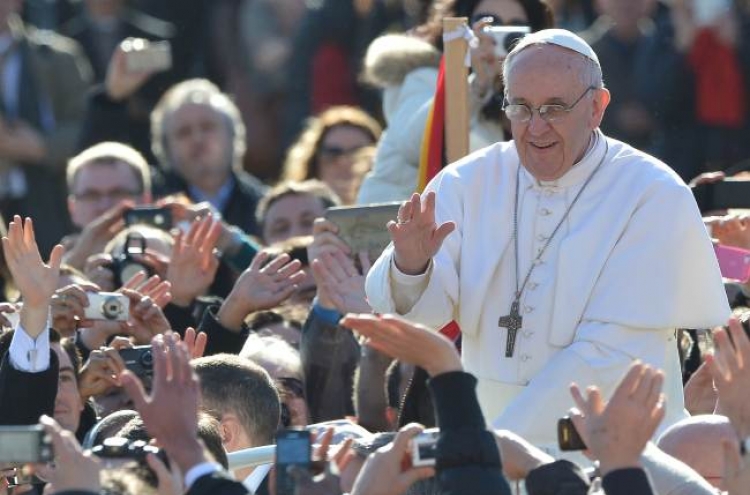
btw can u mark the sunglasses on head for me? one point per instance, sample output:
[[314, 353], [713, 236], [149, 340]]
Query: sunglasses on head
[[497, 20]]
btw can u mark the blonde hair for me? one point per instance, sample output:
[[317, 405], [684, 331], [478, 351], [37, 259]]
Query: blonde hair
[[198, 92], [302, 160], [107, 153]]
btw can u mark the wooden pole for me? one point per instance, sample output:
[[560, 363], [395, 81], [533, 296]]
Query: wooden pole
[[456, 91]]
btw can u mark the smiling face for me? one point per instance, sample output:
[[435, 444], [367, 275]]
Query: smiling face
[[68, 405], [549, 74], [291, 215]]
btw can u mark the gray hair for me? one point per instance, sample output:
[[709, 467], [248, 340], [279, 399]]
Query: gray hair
[[199, 92]]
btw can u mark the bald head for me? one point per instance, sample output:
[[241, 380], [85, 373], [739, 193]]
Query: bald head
[[696, 441]]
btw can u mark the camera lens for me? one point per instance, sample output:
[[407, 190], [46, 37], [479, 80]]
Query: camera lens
[[111, 308], [147, 359]]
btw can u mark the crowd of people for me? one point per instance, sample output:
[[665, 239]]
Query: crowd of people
[[173, 297]]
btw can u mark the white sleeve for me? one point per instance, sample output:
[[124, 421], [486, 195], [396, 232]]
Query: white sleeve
[[199, 471], [27, 354], [407, 289], [670, 476]]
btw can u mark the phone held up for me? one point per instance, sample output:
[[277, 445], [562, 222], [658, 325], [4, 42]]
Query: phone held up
[[734, 262], [567, 435], [293, 448]]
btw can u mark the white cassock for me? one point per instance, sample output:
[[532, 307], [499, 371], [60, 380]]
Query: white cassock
[[631, 263]]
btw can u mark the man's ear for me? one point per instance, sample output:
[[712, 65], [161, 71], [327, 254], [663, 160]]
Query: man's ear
[[230, 432], [602, 97]]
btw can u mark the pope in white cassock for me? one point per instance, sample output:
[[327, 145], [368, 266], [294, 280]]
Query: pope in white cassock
[[563, 254]]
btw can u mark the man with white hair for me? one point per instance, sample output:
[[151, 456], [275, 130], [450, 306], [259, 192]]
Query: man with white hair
[[563, 254]]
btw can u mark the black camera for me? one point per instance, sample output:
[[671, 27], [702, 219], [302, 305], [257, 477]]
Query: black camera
[[567, 435], [159, 217], [126, 265], [139, 360]]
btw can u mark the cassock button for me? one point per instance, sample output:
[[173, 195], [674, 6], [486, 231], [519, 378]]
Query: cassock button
[[533, 285], [528, 309], [549, 192], [545, 212], [542, 237], [527, 333], [525, 357]]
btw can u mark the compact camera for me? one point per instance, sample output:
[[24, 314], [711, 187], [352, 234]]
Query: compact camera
[[567, 436], [424, 448], [25, 444], [139, 360], [125, 266], [152, 56], [506, 37], [111, 306], [155, 216]]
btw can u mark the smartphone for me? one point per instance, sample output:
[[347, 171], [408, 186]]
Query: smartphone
[[567, 435], [159, 217], [363, 227], [148, 56], [734, 262], [25, 444], [292, 449], [722, 195]]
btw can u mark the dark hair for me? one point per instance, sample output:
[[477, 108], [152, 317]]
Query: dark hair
[[311, 187], [230, 383], [540, 17]]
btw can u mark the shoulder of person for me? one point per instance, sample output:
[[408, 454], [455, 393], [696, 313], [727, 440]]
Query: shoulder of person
[[51, 43], [641, 166], [489, 165], [390, 58], [249, 184]]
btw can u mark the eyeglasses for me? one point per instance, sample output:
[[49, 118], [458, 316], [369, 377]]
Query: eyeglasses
[[497, 20], [115, 195], [521, 112]]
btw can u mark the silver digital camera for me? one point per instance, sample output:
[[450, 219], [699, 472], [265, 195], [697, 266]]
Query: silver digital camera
[[424, 448], [111, 306], [506, 37]]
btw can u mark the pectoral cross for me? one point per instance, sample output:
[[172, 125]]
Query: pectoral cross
[[513, 323]]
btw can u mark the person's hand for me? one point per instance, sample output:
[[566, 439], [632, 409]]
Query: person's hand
[[170, 413], [736, 469], [325, 480], [193, 266], [519, 456], [325, 240], [35, 280], [707, 178], [120, 83], [7, 308], [486, 66], [340, 285], [74, 469], [160, 291], [21, 143], [384, 472], [68, 307], [731, 230], [406, 342], [94, 237], [700, 394], [416, 237], [617, 432], [146, 318], [100, 372], [261, 286], [195, 342], [730, 368]]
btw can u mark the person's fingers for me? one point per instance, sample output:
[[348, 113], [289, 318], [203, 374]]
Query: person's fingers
[[134, 388], [340, 457], [189, 338], [346, 264], [324, 445], [658, 411], [330, 239], [178, 246], [630, 381], [289, 269], [173, 355], [725, 353], [274, 265], [163, 475], [55, 257], [161, 367], [595, 400], [135, 280], [741, 342], [642, 388], [200, 345], [428, 207], [334, 267], [404, 212], [29, 238], [655, 387], [322, 224], [442, 232], [578, 398], [405, 434], [285, 293]]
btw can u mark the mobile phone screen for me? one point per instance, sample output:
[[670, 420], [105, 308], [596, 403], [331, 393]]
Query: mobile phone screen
[[734, 263], [292, 449]]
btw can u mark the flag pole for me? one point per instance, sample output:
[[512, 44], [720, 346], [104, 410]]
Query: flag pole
[[456, 91]]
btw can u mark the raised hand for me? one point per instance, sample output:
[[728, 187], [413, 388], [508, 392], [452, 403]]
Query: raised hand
[[261, 286], [95, 236], [68, 306], [325, 240], [616, 432], [74, 470], [36, 280], [340, 285], [120, 83], [195, 342], [730, 368], [416, 237], [146, 318], [384, 472], [100, 372], [193, 266], [406, 342], [170, 413], [157, 289]]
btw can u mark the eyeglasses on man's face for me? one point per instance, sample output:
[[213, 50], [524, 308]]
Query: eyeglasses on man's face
[[521, 112]]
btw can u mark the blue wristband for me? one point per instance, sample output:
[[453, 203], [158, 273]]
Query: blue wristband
[[328, 315]]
